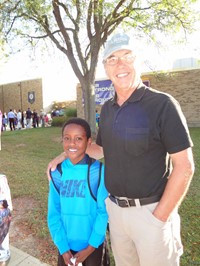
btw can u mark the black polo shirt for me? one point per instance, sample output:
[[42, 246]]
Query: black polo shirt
[[137, 138]]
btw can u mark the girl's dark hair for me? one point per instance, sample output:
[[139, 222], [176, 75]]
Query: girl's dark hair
[[81, 122]]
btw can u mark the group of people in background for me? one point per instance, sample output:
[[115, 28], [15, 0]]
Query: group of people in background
[[23, 119]]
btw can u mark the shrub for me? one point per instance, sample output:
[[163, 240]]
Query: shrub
[[71, 112], [58, 121]]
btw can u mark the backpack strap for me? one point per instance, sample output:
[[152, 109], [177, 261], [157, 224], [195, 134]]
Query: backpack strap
[[59, 168], [56, 177], [93, 186], [100, 168]]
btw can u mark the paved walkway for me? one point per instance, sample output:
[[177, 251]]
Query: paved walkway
[[21, 258]]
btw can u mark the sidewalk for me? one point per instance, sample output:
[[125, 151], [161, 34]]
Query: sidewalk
[[21, 258]]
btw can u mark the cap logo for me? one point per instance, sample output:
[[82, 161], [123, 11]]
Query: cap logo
[[120, 39], [117, 42]]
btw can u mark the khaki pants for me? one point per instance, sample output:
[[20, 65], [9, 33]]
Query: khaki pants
[[139, 239]]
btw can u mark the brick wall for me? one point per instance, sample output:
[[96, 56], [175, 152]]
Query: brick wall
[[15, 95], [184, 85]]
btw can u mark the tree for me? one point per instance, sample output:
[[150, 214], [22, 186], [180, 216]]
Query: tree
[[79, 28]]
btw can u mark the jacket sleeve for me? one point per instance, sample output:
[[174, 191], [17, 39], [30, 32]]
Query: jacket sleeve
[[54, 220], [100, 224]]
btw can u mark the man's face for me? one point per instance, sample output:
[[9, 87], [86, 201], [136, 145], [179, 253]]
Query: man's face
[[123, 74]]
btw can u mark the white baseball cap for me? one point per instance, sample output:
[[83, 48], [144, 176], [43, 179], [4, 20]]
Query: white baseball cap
[[119, 41]]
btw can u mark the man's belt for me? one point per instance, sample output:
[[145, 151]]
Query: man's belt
[[127, 202]]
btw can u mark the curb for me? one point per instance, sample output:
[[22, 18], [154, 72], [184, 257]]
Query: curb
[[21, 258]]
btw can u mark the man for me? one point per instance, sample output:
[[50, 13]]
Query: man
[[42, 118], [35, 118], [11, 119], [148, 163], [28, 118]]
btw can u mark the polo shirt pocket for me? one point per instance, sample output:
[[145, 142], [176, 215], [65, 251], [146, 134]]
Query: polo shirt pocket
[[137, 140]]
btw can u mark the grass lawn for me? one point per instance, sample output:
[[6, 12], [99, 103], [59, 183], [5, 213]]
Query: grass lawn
[[24, 158]]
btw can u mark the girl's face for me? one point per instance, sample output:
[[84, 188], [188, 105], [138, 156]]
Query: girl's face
[[75, 142]]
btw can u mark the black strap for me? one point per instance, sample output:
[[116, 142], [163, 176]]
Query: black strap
[[53, 181], [88, 179], [100, 167], [59, 168]]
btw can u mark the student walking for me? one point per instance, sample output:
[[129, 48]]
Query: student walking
[[5, 218], [4, 122], [11, 119], [19, 119], [28, 118]]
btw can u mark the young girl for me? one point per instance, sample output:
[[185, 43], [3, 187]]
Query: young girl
[[77, 217], [4, 123], [5, 218]]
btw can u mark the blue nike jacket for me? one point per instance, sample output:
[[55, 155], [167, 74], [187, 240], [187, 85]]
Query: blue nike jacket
[[75, 218]]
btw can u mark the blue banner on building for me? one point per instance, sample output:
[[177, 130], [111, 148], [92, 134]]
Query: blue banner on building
[[31, 97], [104, 90]]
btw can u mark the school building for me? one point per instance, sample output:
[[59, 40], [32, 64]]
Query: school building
[[183, 85], [21, 95]]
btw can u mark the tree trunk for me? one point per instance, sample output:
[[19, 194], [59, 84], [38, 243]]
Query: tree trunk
[[89, 103]]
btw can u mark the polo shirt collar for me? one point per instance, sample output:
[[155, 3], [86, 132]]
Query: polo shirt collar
[[135, 96]]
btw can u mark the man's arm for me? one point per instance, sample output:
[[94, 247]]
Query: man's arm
[[94, 151], [177, 185]]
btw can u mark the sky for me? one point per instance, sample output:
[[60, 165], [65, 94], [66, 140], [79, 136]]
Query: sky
[[59, 81]]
